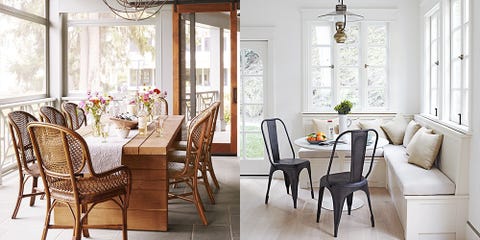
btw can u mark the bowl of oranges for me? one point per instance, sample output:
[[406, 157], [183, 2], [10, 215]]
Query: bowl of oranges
[[315, 138]]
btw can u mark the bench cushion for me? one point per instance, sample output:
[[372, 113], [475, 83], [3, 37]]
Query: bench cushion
[[414, 180]]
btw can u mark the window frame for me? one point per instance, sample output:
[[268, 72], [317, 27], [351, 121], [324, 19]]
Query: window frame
[[363, 87], [45, 21], [446, 58], [436, 10]]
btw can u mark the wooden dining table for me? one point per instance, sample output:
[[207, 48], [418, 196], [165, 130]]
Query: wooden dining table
[[146, 156]]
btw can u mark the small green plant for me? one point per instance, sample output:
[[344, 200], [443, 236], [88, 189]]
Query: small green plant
[[344, 107]]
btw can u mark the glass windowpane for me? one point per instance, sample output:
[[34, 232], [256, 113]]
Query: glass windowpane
[[250, 62], [456, 43], [377, 56], [321, 35], [456, 79], [321, 98], [348, 56], [254, 145], [252, 88], [351, 94], [36, 7], [433, 101], [434, 76], [455, 104], [321, 56], [434, 27], [348, 77], [22, 61], [376, 98], [456, 13], [352, 31], [321, 77], [377, 35], [376, 76]]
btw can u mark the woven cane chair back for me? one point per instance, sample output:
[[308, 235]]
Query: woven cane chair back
[[52, 115], [75, 116], [18, 121]]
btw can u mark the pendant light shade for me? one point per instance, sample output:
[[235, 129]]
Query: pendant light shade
[[340, 17]]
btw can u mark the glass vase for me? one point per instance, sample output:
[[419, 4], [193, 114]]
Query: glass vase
[[97, 126]]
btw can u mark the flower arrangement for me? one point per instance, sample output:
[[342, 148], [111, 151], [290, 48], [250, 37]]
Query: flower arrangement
[[96, 105], [147, 97]]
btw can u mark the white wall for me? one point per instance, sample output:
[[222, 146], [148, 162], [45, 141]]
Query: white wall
[[285, 18], [474, 207]]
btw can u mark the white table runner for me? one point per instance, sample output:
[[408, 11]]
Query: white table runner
[[107, 155]]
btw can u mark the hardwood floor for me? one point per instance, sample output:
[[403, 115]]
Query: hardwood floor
[[184, 223], [279, 220]]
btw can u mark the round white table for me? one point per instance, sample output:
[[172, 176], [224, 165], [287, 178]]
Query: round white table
[[341, 151]]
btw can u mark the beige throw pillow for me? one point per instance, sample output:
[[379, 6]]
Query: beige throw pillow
[[410, 131], [395, 129], [424, 148], [373, 124]]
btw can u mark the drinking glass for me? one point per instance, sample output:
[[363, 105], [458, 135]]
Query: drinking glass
[[159, 122], [104, 129]]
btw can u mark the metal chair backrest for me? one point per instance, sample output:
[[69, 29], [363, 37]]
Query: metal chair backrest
[[18, 121], [75, 116], [62, 155], [358, 144], [271, 134], [52, 115]]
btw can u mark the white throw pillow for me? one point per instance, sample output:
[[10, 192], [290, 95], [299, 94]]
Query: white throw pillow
[[373, 124], [395, 129], [424, 148], [410, 131]]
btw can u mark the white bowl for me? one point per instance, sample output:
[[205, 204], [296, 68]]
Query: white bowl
[[123, 132]]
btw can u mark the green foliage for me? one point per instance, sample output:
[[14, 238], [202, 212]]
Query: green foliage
[[344, 107]]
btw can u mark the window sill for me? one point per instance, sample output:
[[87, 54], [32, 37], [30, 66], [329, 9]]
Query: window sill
[[451, 125]]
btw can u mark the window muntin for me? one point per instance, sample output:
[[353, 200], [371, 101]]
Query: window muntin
[[459, 89], [356, 70], [110, 57], [23, 61], [433, 72]]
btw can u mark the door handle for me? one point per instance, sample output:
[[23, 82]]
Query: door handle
[[234, 95]]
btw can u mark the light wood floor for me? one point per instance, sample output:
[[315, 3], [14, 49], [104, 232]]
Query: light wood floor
[[279, 220]]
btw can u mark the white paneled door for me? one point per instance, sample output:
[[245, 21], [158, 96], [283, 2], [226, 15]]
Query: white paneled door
[[252, 104]]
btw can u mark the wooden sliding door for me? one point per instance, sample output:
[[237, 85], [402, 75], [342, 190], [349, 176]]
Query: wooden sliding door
[[205, 66]]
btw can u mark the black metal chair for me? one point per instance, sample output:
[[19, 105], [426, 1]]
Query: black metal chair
[[291, 166], [342, 185]]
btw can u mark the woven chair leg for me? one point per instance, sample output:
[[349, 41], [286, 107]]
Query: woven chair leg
[[20, 196], [77, 228], [47, 219], [85, 221], [198, 202], [34, 190], [207, 186], [212, 172]]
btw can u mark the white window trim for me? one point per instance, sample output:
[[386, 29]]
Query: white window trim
[[311, 15], [445, 69]]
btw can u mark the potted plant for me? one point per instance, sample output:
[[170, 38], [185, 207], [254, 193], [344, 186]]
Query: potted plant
[[343, 108]]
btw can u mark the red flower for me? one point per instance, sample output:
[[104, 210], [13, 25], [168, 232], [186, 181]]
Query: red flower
[[156, 91]]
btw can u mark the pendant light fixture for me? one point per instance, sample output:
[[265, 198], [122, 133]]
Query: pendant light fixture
[[135, 10], [340, 16]]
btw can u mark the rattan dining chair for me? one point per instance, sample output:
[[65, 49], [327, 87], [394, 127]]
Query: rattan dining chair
[[164, 106], [69, 178], [75, 115], [342, 185], [206, 166], [26, 161], [52, 115], [275, 135], [187, 172]]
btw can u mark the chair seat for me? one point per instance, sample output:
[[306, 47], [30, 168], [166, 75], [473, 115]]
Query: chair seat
[[342, 179], [175, 170], [292, 162], [91, 189]]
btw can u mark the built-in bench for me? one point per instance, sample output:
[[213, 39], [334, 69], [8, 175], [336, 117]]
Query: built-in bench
[[431, 204]]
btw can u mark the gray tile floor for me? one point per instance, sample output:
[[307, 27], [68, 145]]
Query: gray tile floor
[[184, 223]]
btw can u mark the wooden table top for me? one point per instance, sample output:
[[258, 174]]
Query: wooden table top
[[150, 143]]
